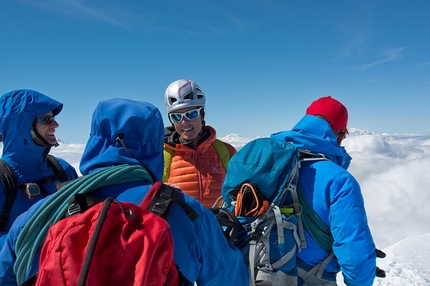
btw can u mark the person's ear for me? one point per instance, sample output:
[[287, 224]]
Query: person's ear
[[202, 115], [340, 136]]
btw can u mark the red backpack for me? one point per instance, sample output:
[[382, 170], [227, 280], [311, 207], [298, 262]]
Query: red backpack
[[112, 243]]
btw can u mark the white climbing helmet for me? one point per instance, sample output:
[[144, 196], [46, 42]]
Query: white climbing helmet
[[183, 93]]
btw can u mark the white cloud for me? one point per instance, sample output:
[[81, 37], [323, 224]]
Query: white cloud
[[82, 9], [387, 56], [393, 173]]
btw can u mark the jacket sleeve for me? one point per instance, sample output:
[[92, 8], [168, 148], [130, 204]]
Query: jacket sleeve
[[353, 242], [7, 254], [202, 252], [221, 262]]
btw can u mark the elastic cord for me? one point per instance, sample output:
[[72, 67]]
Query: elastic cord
[[120, 139]]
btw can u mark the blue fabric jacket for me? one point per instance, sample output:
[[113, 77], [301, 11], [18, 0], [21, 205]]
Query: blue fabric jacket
[[29, 161], [336, 197], [201, 250]]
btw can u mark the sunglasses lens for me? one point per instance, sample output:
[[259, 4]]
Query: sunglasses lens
[[175, 117], [192, 114], [45, 120]]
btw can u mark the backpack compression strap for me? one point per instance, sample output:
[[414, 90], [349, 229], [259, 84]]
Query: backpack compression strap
[[219, 146], [161, 199]]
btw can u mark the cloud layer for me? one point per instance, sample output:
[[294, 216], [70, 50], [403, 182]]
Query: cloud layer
[[393, 171]]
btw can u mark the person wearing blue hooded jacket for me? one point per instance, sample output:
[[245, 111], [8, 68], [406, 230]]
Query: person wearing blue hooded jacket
[[28, 127], [335, 196], [132, 132]]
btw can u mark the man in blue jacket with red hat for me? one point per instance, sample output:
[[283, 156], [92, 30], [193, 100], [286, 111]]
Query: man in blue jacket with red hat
[[335, 196]]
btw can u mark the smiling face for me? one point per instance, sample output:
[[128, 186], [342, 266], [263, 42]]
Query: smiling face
[[189, 130], [46, 128]]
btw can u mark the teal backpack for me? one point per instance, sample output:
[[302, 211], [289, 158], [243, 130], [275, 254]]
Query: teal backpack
[[265, 212]]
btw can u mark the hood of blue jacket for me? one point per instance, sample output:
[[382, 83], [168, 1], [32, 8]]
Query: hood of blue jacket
[[315, 134], [141, 125], [17, 113]]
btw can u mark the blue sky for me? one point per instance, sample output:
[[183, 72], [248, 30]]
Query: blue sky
[[260, 63]]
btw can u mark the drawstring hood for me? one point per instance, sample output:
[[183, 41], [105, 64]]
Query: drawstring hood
[[125, 131], [21, 144]]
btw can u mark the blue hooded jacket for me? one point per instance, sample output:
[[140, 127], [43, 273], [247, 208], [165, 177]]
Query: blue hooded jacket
[[201, 250], [336, 197], [18, 110]]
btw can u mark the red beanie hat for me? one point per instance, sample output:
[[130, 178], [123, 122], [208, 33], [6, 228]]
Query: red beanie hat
[[333, 110]]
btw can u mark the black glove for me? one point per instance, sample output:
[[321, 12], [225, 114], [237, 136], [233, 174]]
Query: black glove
[[380, 272], [380, 253]]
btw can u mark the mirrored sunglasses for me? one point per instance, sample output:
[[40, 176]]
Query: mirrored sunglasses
[[189, 115], [45, 119]]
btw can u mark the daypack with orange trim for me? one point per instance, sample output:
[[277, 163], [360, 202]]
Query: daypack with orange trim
[[265, 214]]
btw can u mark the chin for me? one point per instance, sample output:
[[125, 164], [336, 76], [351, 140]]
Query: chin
[[189, 138], [52, 142]]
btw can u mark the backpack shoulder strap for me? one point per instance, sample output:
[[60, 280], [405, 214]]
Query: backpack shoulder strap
[[222, 151], [10, 186], [57, 168], [168, 155], [314, 225], [161, 199]]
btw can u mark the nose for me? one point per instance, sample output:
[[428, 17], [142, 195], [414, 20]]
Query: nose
[[54, 124], [184, 119]]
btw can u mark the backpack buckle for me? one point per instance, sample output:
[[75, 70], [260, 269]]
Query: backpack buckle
[[74, 208], [158, 208], [31, 190]]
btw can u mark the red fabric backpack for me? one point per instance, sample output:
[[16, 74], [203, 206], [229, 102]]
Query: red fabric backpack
[[111, 243]]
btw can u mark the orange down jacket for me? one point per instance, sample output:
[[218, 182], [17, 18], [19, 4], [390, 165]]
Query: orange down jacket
[[198, 172]]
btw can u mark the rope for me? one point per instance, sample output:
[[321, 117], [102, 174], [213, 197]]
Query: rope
[[316, 228], [35, 231]]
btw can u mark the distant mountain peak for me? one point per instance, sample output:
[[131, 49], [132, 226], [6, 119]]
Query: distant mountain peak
[[356, 132]]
